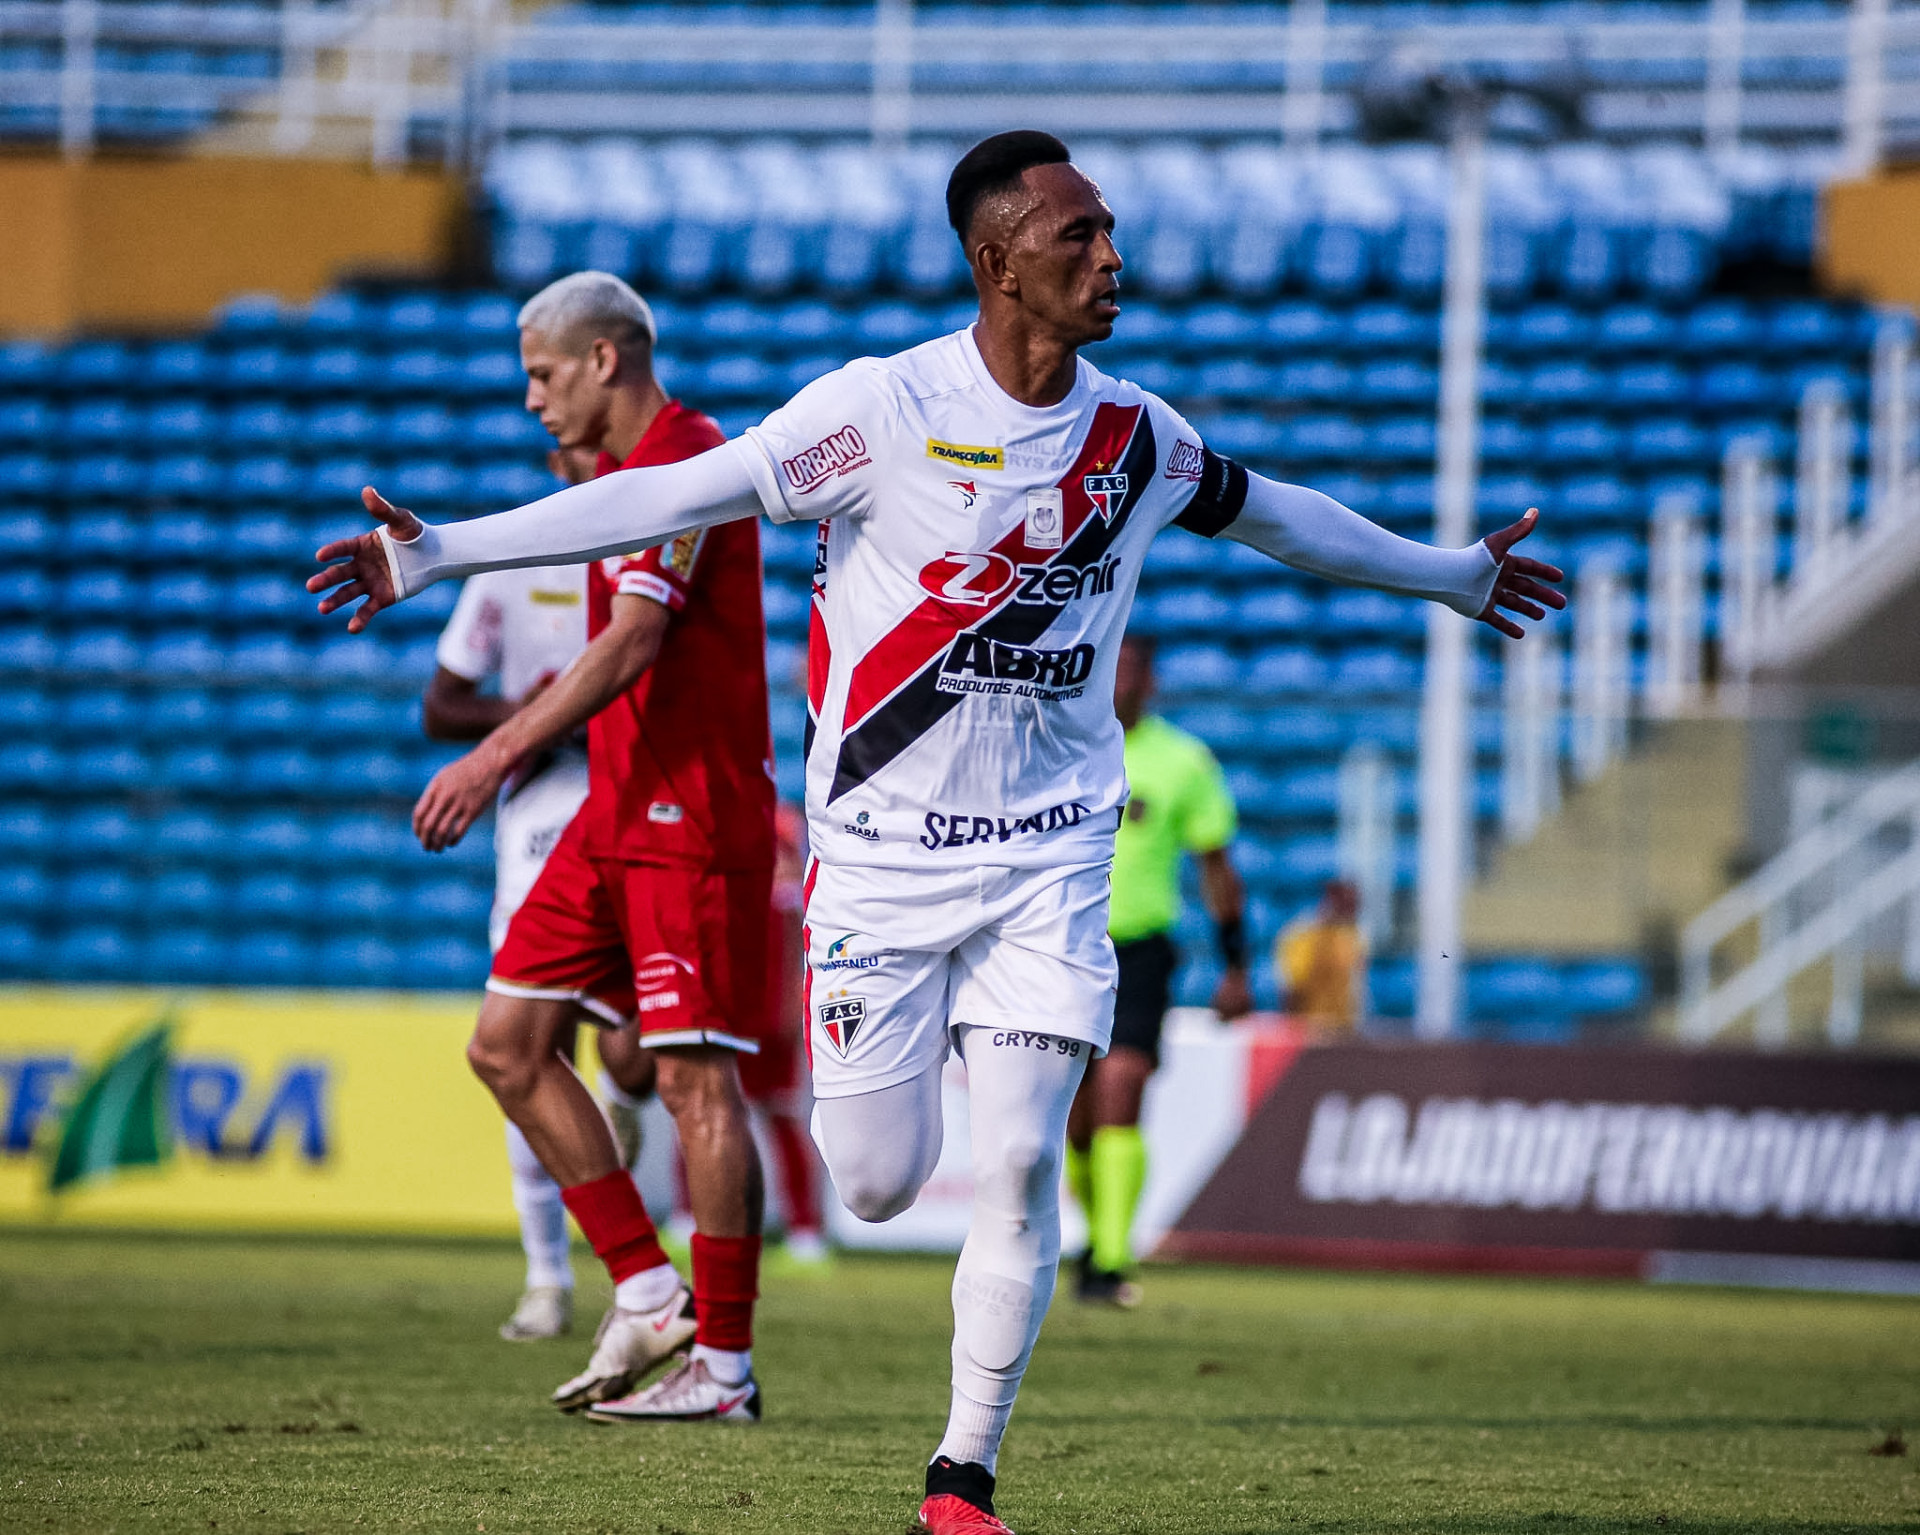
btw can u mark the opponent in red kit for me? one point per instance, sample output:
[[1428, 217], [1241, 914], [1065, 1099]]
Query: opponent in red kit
[[652, 910]]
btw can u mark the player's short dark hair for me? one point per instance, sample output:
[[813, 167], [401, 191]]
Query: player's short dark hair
[[996, 165]]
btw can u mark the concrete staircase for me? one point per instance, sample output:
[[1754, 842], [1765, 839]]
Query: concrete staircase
[[1628, 858]]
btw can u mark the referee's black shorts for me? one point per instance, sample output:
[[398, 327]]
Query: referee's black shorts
[[1146, 987]]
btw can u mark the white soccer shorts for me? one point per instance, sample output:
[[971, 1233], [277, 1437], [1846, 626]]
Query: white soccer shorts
[[898, 959], [526, 825]]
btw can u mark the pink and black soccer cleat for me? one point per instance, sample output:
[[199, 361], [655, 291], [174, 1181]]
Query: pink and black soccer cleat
[[959, 1500]]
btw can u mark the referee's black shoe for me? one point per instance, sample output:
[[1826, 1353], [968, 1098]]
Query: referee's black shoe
[[1096, 1286]]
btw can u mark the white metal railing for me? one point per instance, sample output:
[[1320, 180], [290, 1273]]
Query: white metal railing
[[468, 70], [1816, 901]]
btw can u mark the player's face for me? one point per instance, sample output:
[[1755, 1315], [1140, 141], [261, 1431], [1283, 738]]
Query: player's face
[[565, 391], [1064, 256]]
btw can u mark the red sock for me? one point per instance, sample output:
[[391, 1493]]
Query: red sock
[[726, 1279], [616, 1224], [799, 1172]]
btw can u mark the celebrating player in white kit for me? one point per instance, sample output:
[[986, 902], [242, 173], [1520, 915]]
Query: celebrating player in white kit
[[986, 502]]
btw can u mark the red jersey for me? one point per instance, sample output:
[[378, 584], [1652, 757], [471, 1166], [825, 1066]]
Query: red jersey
[[680, 766]]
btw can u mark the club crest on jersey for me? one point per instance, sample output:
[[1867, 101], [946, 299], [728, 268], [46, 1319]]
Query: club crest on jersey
[[1106, 492], [840, 1021]]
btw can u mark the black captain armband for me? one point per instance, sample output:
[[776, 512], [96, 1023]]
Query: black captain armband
[[1217, 500], [1231, 936]]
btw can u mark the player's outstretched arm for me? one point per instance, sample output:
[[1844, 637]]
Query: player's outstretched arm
[[615, 514], [1315, 533]]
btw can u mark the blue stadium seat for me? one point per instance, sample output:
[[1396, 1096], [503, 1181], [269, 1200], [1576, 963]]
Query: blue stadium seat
[[1604, 986], [1319, 437], [263, 421], [370, 839], [374, 770], [271, 958], [187, 597], [176, 367], [93, 954], [187, 892], [1541, 330], [1196, 669], [24, 710], [1737, 384], [1672, 440], [180, 955], [185, 655], [1505, 497], [1276, 610], [1806, 327], [1567, 383], [1350, 611], [355, 959], [267, 716], [26, 422], [25, 593], [1517, 988], [444, 963], [20, 950], [440, 904], [339, 719], [346, 424], [97, 893], [1280, 670], [335, 370], [1504, 440], [1396, 381], [1398, 439], [1377, 669], [1338, 260], [192, 835], [274, 898], [356, 899], [106, 769], [1722, 326], [278, 772], [24, 890], [184, 536], [1380, 327], [31, 765], [26, 830], [497, 486], [26, 534], [260, 537], [508, 429], [1579, 440], [1190, 610], [1598, 498], [254, 369], [93, 594], [269, 655]]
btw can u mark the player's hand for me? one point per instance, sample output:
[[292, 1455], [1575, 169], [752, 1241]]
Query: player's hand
[[1523, 584], [1233, 997], [362, 571], [457, 797]]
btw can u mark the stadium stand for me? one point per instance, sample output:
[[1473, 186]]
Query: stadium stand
[[181, 784]]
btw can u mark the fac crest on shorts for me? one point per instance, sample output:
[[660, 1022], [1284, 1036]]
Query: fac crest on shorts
[[840, 1020]]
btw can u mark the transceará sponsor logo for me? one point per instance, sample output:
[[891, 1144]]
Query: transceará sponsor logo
[[835, 454], [966, 455], [952, 828]]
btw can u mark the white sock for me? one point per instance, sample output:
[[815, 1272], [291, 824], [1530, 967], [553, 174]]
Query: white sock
[[612, 1092], [728, 1366], [1018, 1097], [974, 1431], [543, 1217], [648, 1290]]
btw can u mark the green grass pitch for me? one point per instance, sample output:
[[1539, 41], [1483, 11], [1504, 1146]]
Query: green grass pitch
[[152, 1384]]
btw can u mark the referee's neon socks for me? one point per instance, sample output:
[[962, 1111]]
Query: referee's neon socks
[[1080, 1178], [1117, 1171]]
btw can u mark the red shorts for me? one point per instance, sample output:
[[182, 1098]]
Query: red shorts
[[682, 951], [772, 1077]]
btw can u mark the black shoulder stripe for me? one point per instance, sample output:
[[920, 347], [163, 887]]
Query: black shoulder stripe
[[1222, 492]]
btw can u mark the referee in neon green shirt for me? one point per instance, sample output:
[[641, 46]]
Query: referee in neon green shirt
[[1179, 804]]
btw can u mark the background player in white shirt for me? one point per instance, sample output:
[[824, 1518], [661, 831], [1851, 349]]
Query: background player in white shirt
[[524, 627], [986, 502]]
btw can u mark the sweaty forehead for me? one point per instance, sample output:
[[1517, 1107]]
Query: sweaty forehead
[[1051, 195]]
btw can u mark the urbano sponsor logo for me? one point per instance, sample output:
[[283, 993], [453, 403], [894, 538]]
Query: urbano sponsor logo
[[966, 455], [974, 580], [953, 829], [835, 454], [1631, 1159], [1185, 462], [976, 664], [837, 957]]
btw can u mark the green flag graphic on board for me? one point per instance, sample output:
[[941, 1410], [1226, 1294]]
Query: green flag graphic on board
[[121, 1117]]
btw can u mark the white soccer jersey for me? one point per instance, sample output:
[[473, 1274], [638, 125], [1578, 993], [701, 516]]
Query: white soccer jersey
[[525, 625], [978, 559]]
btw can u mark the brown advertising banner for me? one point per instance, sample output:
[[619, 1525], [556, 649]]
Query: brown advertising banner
[[1630, 1161]]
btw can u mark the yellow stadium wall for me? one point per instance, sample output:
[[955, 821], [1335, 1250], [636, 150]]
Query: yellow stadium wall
[[353, 1112], [1870, 237], [158, 244]]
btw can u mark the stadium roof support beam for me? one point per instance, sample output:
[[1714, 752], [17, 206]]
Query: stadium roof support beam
[[1444, 765]]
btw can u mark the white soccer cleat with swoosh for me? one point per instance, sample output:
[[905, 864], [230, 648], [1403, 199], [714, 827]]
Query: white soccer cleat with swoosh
[[687, 1392], [627, 1346]]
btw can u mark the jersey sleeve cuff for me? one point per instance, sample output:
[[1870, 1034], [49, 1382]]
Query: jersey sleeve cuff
[[645, 583], [765, 475], [454, 658]]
